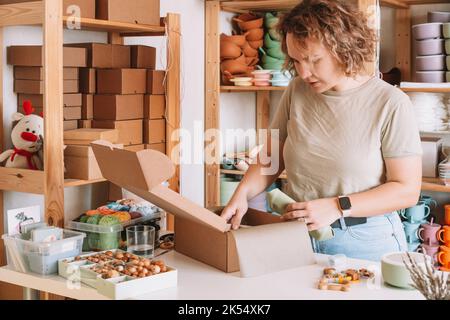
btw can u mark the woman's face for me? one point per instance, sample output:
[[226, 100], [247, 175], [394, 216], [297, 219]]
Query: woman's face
[[314, 64]]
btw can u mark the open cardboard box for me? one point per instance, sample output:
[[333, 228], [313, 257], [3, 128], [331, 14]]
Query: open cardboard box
[[200, 233]]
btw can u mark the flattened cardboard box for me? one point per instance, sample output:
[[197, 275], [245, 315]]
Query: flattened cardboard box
[[37, 86], [143, 57], [86, 8], [154, 106], [97, 55], [130, 131], [118, 107], [37, 100], [88, 80], [121, 81], [200, 233], [37, 73], [132, 11], [32, 56]]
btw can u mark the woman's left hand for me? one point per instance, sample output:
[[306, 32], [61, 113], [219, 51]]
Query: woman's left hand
[[317, 213]]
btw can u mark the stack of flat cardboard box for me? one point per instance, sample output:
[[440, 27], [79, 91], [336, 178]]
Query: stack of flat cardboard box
[[29, 79]]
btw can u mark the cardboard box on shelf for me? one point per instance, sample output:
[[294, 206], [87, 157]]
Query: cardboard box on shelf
[[121, 81], [193, 223], [121, 56], [88, 80], [72, 113], [135, 147], [87, 107], [143, 57], [161, 147], [84, 136], [37, 73], [97, 55], [154, 131], [80, 163], [70, 125], [130, 131], [86, 8], [432, 155], [118, 107], [32, 56], [155, 81], [114, 192], [132, 11], [154, 106], [37, 86], [84, 123], [37, 100]]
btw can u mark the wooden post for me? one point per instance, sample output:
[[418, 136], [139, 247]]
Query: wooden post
[[403, 42], [173, 101], [115, 38], [53, 113], [262, 112], [212, 99]]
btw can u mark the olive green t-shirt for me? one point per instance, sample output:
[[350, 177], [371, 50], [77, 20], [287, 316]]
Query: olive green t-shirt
[[335, 142]]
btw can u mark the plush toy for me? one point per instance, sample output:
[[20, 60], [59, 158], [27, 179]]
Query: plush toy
[[27, 138]]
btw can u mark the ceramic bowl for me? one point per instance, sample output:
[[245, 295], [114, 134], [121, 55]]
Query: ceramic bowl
[[274, 35], [394, 271], [439, 16], [276, 53], [261, 82], [248, 50], [430, 63], [446, 30], [447, 47], [256, 44], [269, 43], [254, 34], [236, 39], [427, 31], [429, 47], [253, 23], [270, 21], [279, 83], [268, 59], [430, 76], [234, 67], [229, 50], [242, 81]]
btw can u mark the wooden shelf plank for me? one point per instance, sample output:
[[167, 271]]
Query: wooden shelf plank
[[249, 89], [434, 90], [241, 173], [32, 13], [22, 180], [415, 2], [77, 183], [434, 184]]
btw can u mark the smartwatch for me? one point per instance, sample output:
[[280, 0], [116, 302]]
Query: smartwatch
[[345, 206]]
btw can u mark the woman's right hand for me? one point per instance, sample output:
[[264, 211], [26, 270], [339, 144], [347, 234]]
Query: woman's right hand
[[236, 209]]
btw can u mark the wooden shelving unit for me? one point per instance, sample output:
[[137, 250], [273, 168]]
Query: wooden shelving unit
[[212, 79], [51, 182]]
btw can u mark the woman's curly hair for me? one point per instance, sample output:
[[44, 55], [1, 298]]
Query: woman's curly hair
[[341, 28]]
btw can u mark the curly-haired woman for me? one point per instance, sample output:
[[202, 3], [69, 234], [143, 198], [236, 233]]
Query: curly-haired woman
[[348, 141]]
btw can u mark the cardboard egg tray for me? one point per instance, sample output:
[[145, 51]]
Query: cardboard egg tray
[[121, 287]]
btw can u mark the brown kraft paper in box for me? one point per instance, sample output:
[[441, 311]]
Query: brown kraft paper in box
[[205, 236], [154, 106], [118, 107], [121, 81], [132, 11], [154, 131], [70, 125], [155, 81], [143, 57], [32, 56], [130, 131], [87, 107], [85, 124], [97, 55], [88, 80], [86, 8], [72, 113], [37, 86], [37, 73], [120, 56], [161, 147], [37, 100]]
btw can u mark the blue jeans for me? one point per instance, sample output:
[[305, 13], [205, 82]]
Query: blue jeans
[[368, 241]]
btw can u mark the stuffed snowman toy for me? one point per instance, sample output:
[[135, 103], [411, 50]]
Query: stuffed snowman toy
[[27, 138]]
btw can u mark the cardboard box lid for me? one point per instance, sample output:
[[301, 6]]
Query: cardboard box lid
[[143, 173]]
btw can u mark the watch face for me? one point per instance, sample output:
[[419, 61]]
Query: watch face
[[344, 203]]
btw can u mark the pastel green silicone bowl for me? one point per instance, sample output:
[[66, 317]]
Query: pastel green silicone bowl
[[394, 271]]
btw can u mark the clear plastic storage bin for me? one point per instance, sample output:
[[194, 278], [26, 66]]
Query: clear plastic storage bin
[[100, 238], [41, 257]]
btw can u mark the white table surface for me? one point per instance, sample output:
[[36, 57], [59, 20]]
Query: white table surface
[[198, 281]]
